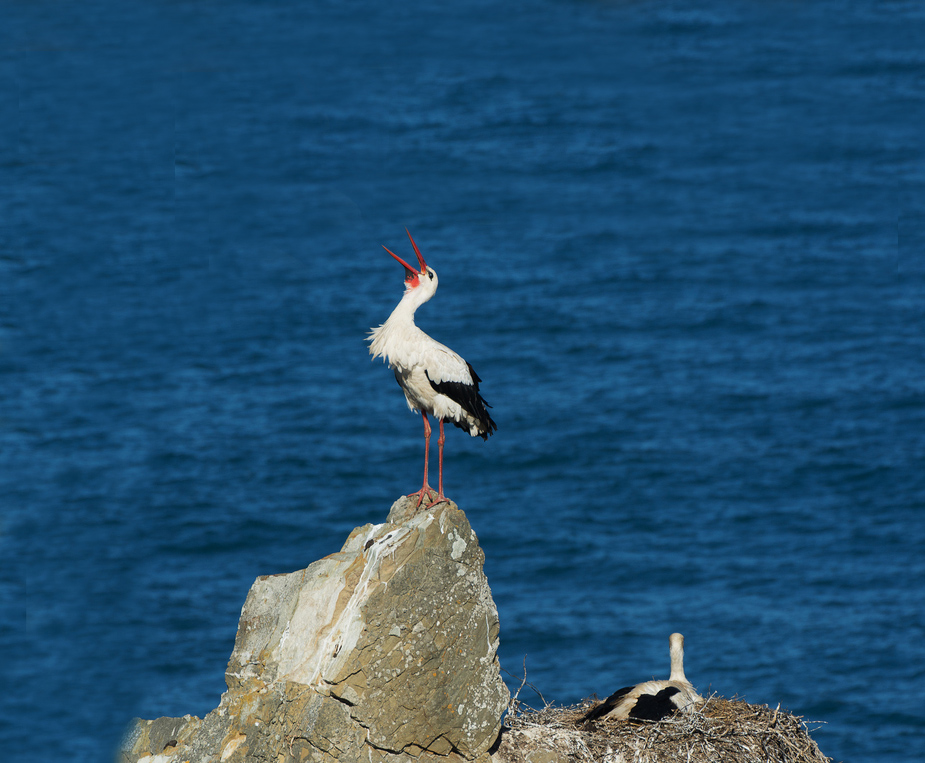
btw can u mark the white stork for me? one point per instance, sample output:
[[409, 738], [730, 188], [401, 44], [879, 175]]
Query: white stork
[[651, 700], [435, 379]]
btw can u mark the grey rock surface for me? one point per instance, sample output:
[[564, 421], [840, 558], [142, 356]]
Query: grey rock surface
[[384, 651]]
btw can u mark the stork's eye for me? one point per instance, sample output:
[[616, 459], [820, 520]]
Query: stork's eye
[[431, 274]]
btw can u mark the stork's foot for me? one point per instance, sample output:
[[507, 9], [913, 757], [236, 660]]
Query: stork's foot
[[438, 498], [425, 492], [430, 495]]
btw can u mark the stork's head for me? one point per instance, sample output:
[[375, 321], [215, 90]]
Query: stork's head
[[423, 280]]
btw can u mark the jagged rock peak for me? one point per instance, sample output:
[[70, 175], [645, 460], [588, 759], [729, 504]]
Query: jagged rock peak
[[384, 651]]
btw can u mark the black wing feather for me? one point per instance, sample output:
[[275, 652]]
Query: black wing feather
[[648, 707], [654, 707], [468, 397], [599, 711]]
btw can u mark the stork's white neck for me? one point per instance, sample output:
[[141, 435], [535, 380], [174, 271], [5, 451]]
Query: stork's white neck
[[392, 339], [677, 658]]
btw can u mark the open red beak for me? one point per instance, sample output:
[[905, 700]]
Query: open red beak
[[410, 272]]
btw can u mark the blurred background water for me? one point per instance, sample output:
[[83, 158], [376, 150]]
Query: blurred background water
[[681, 242]]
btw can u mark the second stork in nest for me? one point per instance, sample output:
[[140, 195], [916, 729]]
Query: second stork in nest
[[651, 700]]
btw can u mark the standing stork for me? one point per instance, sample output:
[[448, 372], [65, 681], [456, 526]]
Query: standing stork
[[435, 379], [651, 700]]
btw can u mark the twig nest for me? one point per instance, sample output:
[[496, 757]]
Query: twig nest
[[718, 729]]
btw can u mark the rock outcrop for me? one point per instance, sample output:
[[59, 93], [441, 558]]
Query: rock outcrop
[[385, 651]]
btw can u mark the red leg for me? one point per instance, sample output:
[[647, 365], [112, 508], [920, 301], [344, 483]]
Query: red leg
[[440, 498], [440, 440], [427, 489], [426, 446]]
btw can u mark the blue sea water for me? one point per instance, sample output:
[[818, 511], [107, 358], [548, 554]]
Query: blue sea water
[[683, 244]]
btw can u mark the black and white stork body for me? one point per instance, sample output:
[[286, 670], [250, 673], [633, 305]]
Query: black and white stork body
[[651, 700], [435, 379]]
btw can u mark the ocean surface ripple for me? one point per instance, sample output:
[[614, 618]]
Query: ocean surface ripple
[[682, 243]]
